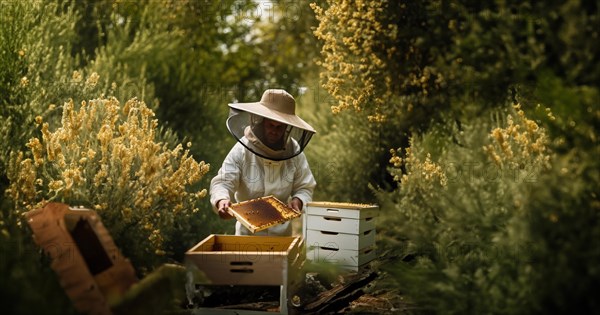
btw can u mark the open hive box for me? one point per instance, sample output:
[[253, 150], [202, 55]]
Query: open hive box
[[340, 233], [250, 261], [261, 213]]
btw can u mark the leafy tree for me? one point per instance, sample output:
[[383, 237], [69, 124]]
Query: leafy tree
[[410, 60]]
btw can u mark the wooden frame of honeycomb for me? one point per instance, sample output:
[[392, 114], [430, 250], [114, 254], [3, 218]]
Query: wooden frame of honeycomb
[[261, 213]]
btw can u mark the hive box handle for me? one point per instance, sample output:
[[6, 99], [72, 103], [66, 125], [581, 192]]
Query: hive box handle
[[241, 263], [241, 270], [329, 248]]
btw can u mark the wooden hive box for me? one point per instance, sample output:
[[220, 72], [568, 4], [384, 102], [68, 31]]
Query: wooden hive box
[[250, 260], [340, 233], [89, 265]]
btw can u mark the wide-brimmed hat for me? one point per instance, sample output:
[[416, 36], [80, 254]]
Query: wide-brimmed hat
[[278, 105]]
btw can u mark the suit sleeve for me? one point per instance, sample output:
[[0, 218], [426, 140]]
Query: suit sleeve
[[304, 181], [226, 182]]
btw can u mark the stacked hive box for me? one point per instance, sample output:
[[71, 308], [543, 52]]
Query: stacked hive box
[[340, 233], [250, 260]]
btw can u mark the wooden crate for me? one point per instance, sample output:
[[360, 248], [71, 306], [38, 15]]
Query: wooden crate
[[90, 267], [340, 233], [249, 260]]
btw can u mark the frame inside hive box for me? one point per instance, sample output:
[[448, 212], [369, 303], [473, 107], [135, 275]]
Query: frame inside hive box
[[256, 261]]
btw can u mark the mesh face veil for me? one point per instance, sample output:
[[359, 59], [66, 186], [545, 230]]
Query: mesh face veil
[[253, 132]]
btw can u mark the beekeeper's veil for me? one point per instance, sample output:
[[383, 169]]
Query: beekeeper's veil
[[247, 121]]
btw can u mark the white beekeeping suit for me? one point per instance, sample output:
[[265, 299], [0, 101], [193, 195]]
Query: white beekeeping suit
[[259, 166]]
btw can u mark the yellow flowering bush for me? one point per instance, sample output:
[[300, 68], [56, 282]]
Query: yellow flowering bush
[[106, 155], [354, 71]]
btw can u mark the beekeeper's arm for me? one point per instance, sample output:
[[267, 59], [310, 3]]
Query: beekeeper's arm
[[224, 185], [303, 185]]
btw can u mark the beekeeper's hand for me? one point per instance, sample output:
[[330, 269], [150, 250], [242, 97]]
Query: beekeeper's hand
[[223, 209], [296, 204]]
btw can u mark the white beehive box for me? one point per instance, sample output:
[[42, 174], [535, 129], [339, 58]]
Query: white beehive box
[[249, 260], [340, 233]]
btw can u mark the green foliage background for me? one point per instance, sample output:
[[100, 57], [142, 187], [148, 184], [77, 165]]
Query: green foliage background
[[491, 240]]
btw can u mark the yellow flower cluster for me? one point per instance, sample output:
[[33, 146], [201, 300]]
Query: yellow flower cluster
[[351, 32], [522, 140], [426, 172], [24, 82], [106, 156], [23, 176]]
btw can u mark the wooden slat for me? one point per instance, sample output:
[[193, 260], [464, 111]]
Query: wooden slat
[[341, 294]]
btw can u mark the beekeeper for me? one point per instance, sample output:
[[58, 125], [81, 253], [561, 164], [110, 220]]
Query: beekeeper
[[266, 160]]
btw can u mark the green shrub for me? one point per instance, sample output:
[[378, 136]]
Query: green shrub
[[460, 211], [35, 63], [483, 222]]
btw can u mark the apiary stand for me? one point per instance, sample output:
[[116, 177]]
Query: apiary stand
[[249, 260], [340, 233]]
